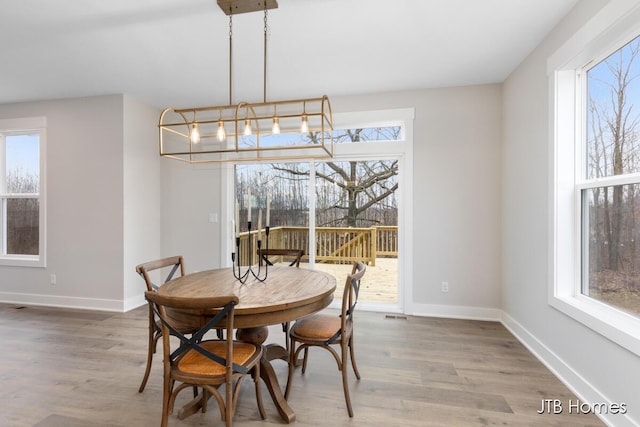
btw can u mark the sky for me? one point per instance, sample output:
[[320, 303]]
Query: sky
[[22, 153]]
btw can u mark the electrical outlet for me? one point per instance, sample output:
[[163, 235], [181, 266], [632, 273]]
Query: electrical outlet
[[445, 286], [52, 279]]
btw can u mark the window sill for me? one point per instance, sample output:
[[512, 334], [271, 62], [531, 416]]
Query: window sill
[[615, 325], [22, 261]]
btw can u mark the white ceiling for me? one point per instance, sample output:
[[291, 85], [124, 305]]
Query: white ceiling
[[175, 52]]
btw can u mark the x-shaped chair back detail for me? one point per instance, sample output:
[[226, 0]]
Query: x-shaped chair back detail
[[326, 330], [349, 300], [193, 343], [173, 264], [294, 254], [194, 361]]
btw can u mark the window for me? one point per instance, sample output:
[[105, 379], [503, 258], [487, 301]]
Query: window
[[382, 134], [357, 190], [21, 213], [595, 252], [610, 182]]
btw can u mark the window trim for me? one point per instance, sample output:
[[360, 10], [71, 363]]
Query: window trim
[[610, 29], [401, 149], [25, 125]]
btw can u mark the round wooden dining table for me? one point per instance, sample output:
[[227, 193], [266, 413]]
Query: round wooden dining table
[[287, 294]]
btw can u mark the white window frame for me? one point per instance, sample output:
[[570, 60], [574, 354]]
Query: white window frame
[[402, 150], [615, 25], [21, 126]]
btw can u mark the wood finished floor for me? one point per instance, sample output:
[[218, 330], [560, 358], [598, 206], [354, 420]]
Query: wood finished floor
[[70, 368]]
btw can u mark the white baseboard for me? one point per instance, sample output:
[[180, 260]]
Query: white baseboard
[[455, 312], [574, 381], [135, 302], [62, 302]]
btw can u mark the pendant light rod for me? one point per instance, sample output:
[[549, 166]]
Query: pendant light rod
[[216, 133], [264, 65], [230, 55]]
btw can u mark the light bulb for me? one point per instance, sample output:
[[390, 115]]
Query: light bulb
[[247, 127], [221, 133], [195, 134], [276, 125], [305, 124]]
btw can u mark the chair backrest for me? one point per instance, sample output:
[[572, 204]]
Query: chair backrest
[[294, 254], [173, 264], [349, 298], [162, 306]]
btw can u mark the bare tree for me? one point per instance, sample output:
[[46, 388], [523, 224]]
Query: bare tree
[[613, 150], [357, 186], [355, 193], [22, 213]]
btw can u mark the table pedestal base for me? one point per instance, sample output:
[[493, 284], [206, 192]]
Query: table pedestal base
[[270, 352]]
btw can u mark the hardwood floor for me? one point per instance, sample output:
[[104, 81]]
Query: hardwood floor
[[70, 368]]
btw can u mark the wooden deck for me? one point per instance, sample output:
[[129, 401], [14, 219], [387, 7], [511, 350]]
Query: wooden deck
[[336, 248], [379, 284], [337, 245]]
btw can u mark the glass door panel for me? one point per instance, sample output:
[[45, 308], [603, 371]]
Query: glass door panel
[[356, 219], [284, 188]]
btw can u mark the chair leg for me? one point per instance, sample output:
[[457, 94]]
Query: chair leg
[[166, 402], [228, 401], [304, 359], [293, 356], [256, 380], [353, 358], [153, 339], [345, 382], [287, 339], [292, 365]]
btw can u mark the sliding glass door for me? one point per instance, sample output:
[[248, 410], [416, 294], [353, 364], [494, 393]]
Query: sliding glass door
[[347, 208], [337, 212]]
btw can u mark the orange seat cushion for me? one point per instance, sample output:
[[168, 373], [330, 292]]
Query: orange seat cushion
[[319, 326], [195, 363]]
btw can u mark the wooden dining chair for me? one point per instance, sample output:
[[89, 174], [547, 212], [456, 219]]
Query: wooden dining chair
[[293, 256], [326, 331], [166, 268], [208, 364]]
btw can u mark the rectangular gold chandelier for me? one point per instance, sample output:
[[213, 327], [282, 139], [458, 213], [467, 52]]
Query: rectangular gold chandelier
[[275, 130]]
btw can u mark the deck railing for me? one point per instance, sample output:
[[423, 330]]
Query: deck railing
[[333, 244]]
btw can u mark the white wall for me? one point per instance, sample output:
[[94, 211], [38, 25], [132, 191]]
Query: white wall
[[456, 215], [189, 194], [96, 231], [106, 213], [456, 205], [597, 369], [141, 195]]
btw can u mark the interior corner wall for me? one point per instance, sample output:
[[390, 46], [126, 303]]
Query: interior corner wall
[[141, 195], [84, 206], [593, 366], [191, 194], [456, 200]]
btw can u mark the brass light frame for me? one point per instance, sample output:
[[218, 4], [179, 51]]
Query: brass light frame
[[176, 125]]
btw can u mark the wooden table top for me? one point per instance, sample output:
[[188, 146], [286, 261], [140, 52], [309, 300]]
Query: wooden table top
[[288, 294]]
